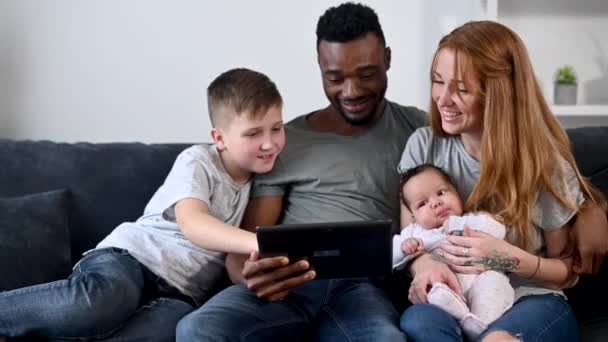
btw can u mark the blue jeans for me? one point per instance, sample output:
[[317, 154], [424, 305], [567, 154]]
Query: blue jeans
[[532, 318], [326, 310], [109, 295]]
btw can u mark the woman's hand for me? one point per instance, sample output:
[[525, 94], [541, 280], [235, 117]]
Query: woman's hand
[[476, 252], [273, 278], [430, 272]]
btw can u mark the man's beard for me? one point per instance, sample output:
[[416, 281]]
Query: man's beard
[[362, 121]]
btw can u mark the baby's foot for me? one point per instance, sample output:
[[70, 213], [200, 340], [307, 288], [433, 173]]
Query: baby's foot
[[473, 326], [442, 296]]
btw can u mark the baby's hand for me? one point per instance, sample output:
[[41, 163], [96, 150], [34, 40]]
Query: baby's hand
[[411, 246]]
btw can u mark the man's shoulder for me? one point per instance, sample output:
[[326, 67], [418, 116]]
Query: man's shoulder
[[411, 115]]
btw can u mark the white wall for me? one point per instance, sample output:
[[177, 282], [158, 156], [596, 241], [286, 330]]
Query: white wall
[[558, 32], [136, 70]]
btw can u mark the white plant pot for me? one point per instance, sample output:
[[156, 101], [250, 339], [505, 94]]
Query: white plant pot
[[564, 94]]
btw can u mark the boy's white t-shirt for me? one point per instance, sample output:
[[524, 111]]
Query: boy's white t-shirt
[[156, 240]]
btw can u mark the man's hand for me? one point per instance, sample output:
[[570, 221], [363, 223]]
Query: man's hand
[[590, 237], [273, 278], [427, 273]]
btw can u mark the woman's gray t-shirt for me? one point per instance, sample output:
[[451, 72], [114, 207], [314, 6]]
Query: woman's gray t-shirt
[[449, 154]]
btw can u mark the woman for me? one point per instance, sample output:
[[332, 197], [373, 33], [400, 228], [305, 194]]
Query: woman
[[492, 131]]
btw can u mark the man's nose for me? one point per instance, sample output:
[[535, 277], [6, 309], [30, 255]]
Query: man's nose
[[351, 89]]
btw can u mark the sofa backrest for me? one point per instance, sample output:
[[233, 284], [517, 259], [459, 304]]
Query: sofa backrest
[[109, 183], [590, 146]]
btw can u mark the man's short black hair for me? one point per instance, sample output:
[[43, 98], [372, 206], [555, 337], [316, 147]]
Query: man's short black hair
[[348, 22]]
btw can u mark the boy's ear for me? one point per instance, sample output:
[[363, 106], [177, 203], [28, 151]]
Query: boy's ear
[[218, 138]]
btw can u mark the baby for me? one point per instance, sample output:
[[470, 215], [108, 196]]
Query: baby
[[436, 207]]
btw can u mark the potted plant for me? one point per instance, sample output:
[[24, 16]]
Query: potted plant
[[565, 86]]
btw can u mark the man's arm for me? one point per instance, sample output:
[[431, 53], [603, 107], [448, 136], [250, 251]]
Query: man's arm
[[259, 211], [590, 236], [269, 278]]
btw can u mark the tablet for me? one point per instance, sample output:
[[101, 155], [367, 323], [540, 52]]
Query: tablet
[[334, 249]]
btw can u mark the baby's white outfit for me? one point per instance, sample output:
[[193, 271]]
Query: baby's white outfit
[[488, 294]]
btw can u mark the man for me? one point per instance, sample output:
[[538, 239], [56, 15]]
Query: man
[[339, 164]]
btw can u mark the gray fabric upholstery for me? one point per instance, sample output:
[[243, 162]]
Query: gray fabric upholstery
[[34, 239], [109, 183]]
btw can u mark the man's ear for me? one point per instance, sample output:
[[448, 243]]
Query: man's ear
[[387, 57], [218, 138]]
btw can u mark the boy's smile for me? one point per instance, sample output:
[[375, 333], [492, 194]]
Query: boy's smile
[[251, 145]]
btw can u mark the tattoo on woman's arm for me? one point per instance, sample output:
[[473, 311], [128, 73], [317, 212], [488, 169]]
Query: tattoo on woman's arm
[[497, 261]]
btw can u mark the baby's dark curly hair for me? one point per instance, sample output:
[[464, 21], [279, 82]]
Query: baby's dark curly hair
[[347, 22]]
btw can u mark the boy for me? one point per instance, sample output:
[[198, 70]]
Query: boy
[[142, 278], [436, 207]]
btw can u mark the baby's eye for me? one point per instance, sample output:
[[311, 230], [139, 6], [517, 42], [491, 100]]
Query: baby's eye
[[441, 192], [421, 204]]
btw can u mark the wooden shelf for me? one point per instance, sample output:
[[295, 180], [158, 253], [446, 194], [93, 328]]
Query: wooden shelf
[[580, 110]]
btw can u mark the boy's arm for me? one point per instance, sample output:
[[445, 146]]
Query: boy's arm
[[269, 278], [204, 230], [260, 211]]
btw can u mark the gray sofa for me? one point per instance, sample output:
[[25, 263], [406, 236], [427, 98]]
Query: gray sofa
[[57, 200]]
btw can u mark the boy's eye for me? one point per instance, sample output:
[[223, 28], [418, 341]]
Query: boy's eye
[[441, 192], [277, 129], [251, 134]]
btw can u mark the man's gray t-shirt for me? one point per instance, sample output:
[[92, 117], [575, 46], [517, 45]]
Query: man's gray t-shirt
[[156, 240], [328, 177], [450, 155]]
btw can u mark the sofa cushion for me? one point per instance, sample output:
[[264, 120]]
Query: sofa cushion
[[34, 239], [108, 183]]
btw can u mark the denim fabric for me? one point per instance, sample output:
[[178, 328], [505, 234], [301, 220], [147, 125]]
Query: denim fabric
[[325, 310], [109, 295], [544, 318]]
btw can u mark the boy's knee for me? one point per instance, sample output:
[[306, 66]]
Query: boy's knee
[[500, 336]]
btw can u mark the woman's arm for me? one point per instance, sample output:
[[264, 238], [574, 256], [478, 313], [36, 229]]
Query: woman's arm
[[486, 252]]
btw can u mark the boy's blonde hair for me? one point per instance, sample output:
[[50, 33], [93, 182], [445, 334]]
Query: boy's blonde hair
[[523, 142], [239, 91]]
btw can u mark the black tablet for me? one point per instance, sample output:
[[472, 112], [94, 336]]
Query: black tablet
[[334, 249]]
